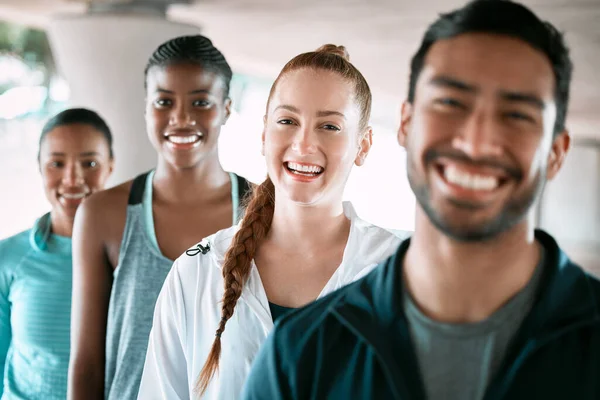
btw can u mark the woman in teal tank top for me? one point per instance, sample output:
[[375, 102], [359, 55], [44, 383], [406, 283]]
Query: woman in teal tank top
[[126, 238], [75, 159]]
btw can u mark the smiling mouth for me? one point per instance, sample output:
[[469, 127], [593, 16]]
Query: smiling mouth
[[304, 169], [74, 196], [470, 180], [184, 139]]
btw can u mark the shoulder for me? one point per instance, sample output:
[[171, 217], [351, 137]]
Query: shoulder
[[109, 199], [370, 243], [204, 260], [15, 246], [594, 285], [18, 240], [371, 232], [105, 211], [12, 250]]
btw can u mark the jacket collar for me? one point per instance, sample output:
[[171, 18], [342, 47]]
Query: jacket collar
[[567, 295], [254, 293], [220, 241], [568, 298], [42, 239]]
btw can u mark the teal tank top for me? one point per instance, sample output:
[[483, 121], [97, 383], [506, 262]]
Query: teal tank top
[[137, 282]]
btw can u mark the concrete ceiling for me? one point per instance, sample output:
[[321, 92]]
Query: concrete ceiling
[[259, 36]]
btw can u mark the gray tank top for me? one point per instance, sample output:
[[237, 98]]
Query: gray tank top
[[137, 281]]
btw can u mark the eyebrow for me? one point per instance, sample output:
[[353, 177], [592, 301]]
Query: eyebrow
[[510, 96], [197, 91], [452, 83], [325, 113], [518, 97], [84, 154]]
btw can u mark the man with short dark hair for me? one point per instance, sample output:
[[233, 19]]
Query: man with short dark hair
[[478, 304]]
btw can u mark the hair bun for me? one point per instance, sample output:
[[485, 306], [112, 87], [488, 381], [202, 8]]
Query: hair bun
[[333, 49]]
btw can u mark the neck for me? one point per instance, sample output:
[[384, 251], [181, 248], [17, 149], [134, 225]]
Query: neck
[[316, 227], [61, 226], [463, 282], [189, 184]]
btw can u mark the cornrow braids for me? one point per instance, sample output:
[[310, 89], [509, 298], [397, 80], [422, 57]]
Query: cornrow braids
[[196, 49], [236, 267]]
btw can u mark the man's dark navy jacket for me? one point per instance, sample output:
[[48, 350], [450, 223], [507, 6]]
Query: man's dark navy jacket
[[355, 343]]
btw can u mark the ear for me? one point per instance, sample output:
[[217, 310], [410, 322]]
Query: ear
[[405, 122], [262, 137], [560, 147], [111, 166], [227, 110], [364, 145]]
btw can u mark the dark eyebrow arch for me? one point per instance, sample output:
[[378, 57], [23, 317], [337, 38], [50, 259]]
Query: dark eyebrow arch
[[84, 154], [452, 83], [517, 97], [197, 91]]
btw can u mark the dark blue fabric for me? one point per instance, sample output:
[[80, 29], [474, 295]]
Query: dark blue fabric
[[355, 343]]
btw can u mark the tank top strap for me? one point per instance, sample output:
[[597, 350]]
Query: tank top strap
[[244, 187], [240, 188], [136, 194]]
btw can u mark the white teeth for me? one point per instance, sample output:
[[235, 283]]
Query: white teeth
[[73, 196], [183, 139], [310, 169], [470, 181]]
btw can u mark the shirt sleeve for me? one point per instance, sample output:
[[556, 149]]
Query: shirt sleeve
[[267, 379], [5, 327], [165, 370]]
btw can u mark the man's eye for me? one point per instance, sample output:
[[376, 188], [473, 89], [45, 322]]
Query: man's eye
[[449, 102], [519, 116]]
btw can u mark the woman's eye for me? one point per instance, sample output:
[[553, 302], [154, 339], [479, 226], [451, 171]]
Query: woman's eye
[[330, 127], [201, 103], [285, 122], [56, 164], [90, 164], [163, 102]]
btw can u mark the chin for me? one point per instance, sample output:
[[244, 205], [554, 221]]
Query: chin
[[304, 199], [467, 229]]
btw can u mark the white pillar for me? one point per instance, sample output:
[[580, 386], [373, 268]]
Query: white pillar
[[103, 57], [570, 206]]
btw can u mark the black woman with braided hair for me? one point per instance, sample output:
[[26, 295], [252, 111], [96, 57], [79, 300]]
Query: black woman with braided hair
[[126, 238], [298, 240]]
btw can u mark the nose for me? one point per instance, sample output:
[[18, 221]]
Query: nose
[[73, 175], [479, 136], [180, 115], [305, 142]]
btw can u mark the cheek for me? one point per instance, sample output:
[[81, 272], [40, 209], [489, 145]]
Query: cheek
[[95, 179], [275, 145], [532, 162], [210, 118], [341, 150], [155, 119], [431, 126], [51, 178]]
